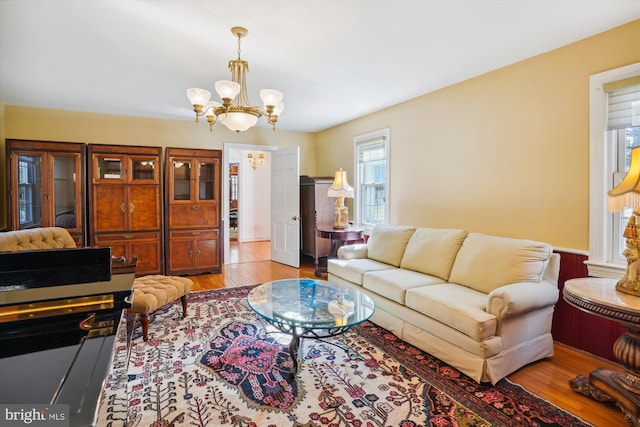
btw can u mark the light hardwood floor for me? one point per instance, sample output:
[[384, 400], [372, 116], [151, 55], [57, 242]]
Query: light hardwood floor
[[547, 378]]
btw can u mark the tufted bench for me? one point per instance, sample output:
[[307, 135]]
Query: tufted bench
[[154, 291]]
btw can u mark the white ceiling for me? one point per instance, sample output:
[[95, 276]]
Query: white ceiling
[[334, 60]]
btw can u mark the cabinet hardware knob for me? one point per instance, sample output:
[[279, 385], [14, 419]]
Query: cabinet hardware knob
[[195, 233], [128, 236], [131, 206], [190, 253], [199, 252], [195, 207], [122, 206]]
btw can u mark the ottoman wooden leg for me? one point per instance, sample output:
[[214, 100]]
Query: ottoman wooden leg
[[184, 300], [144, 320]]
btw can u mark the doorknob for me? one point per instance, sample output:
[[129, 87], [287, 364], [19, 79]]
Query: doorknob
[[294, 218]]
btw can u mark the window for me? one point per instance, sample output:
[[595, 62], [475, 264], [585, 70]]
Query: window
[[613, 133], [372, 179]]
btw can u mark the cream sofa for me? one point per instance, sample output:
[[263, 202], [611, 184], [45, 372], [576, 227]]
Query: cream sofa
[[483, 304]]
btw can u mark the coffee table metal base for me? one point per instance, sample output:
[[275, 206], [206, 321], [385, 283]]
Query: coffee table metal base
[[297, 333]]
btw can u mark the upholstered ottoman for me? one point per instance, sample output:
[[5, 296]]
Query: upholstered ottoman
[[154, 291]]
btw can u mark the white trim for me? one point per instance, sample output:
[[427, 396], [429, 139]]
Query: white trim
[[363, 139], [602, 165]]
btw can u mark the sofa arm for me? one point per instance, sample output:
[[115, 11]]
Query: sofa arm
[[358, 250], [519, 298]]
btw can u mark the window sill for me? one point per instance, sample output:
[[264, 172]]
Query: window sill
[[607, 270]]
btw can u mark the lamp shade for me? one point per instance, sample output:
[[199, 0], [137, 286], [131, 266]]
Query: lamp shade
[[238, 121], [209, 109], [627, 193], [198, 96], [271, 97], [340, 186], [227, 89]]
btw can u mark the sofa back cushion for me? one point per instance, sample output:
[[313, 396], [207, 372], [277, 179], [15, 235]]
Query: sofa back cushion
[[387, 243], [486, 262], [433, 251], [35, 239]]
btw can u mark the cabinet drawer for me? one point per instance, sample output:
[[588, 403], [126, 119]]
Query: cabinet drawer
[[119, 237], [190, 215], [198, 234]]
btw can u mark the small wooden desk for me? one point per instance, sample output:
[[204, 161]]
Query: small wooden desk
[[338, 238], [599, 297]]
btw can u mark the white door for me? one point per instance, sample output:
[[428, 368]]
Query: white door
[[285, 206]]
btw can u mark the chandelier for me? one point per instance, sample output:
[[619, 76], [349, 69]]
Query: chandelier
[[239, 115]]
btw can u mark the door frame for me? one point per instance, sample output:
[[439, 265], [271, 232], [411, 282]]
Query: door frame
[[226, 148]]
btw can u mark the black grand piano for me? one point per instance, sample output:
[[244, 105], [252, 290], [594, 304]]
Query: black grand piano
[[59, 313]]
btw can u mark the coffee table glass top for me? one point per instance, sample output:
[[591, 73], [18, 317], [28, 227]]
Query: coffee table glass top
[[309, 303]]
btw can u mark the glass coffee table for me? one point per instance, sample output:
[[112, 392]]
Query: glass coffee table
[[307, 308]]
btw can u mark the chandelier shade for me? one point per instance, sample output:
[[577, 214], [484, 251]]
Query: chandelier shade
[[235, 111], [239, 121]]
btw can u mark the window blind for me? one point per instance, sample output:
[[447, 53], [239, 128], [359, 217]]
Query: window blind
[[623, 103], [371, 150]]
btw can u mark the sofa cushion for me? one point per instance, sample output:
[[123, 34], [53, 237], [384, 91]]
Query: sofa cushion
[[433, 251], [460, 307], [393, 284], [485, 263], [36, 239], [354, 269], [387, 243]]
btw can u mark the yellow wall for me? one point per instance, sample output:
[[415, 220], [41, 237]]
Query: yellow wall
[[505, 153], [58, 125]]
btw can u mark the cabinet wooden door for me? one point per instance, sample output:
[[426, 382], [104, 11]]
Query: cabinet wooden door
[[193, 181], [193, 251], [143, 207], [46, 186], [145, 247], [110, 213]]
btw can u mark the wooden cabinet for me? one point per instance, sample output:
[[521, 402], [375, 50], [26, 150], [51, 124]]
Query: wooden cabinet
[[193, 181], [125, 203], [316, 209], [46, 186]]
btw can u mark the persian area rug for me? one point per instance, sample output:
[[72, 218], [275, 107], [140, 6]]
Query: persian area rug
[[222, 366]]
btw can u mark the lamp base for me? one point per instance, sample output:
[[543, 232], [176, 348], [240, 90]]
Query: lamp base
[[340, 215], [630, 282], [628, 287]]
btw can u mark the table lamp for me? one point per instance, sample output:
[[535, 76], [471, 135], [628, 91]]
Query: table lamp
[[627, 195], [340, 189]]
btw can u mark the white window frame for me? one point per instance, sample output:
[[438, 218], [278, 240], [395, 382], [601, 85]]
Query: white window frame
[[601, 262], [359, 141]]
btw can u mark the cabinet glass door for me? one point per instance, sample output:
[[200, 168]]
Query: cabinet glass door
[[143, 169], [181, 180], [64, 191], [206, 182], [110, 168], [30, 194]]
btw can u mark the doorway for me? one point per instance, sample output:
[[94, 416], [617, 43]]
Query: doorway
[[247, 206]]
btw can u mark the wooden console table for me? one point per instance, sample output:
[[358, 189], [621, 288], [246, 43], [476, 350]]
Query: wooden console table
[[338, 238], [599, 296]]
